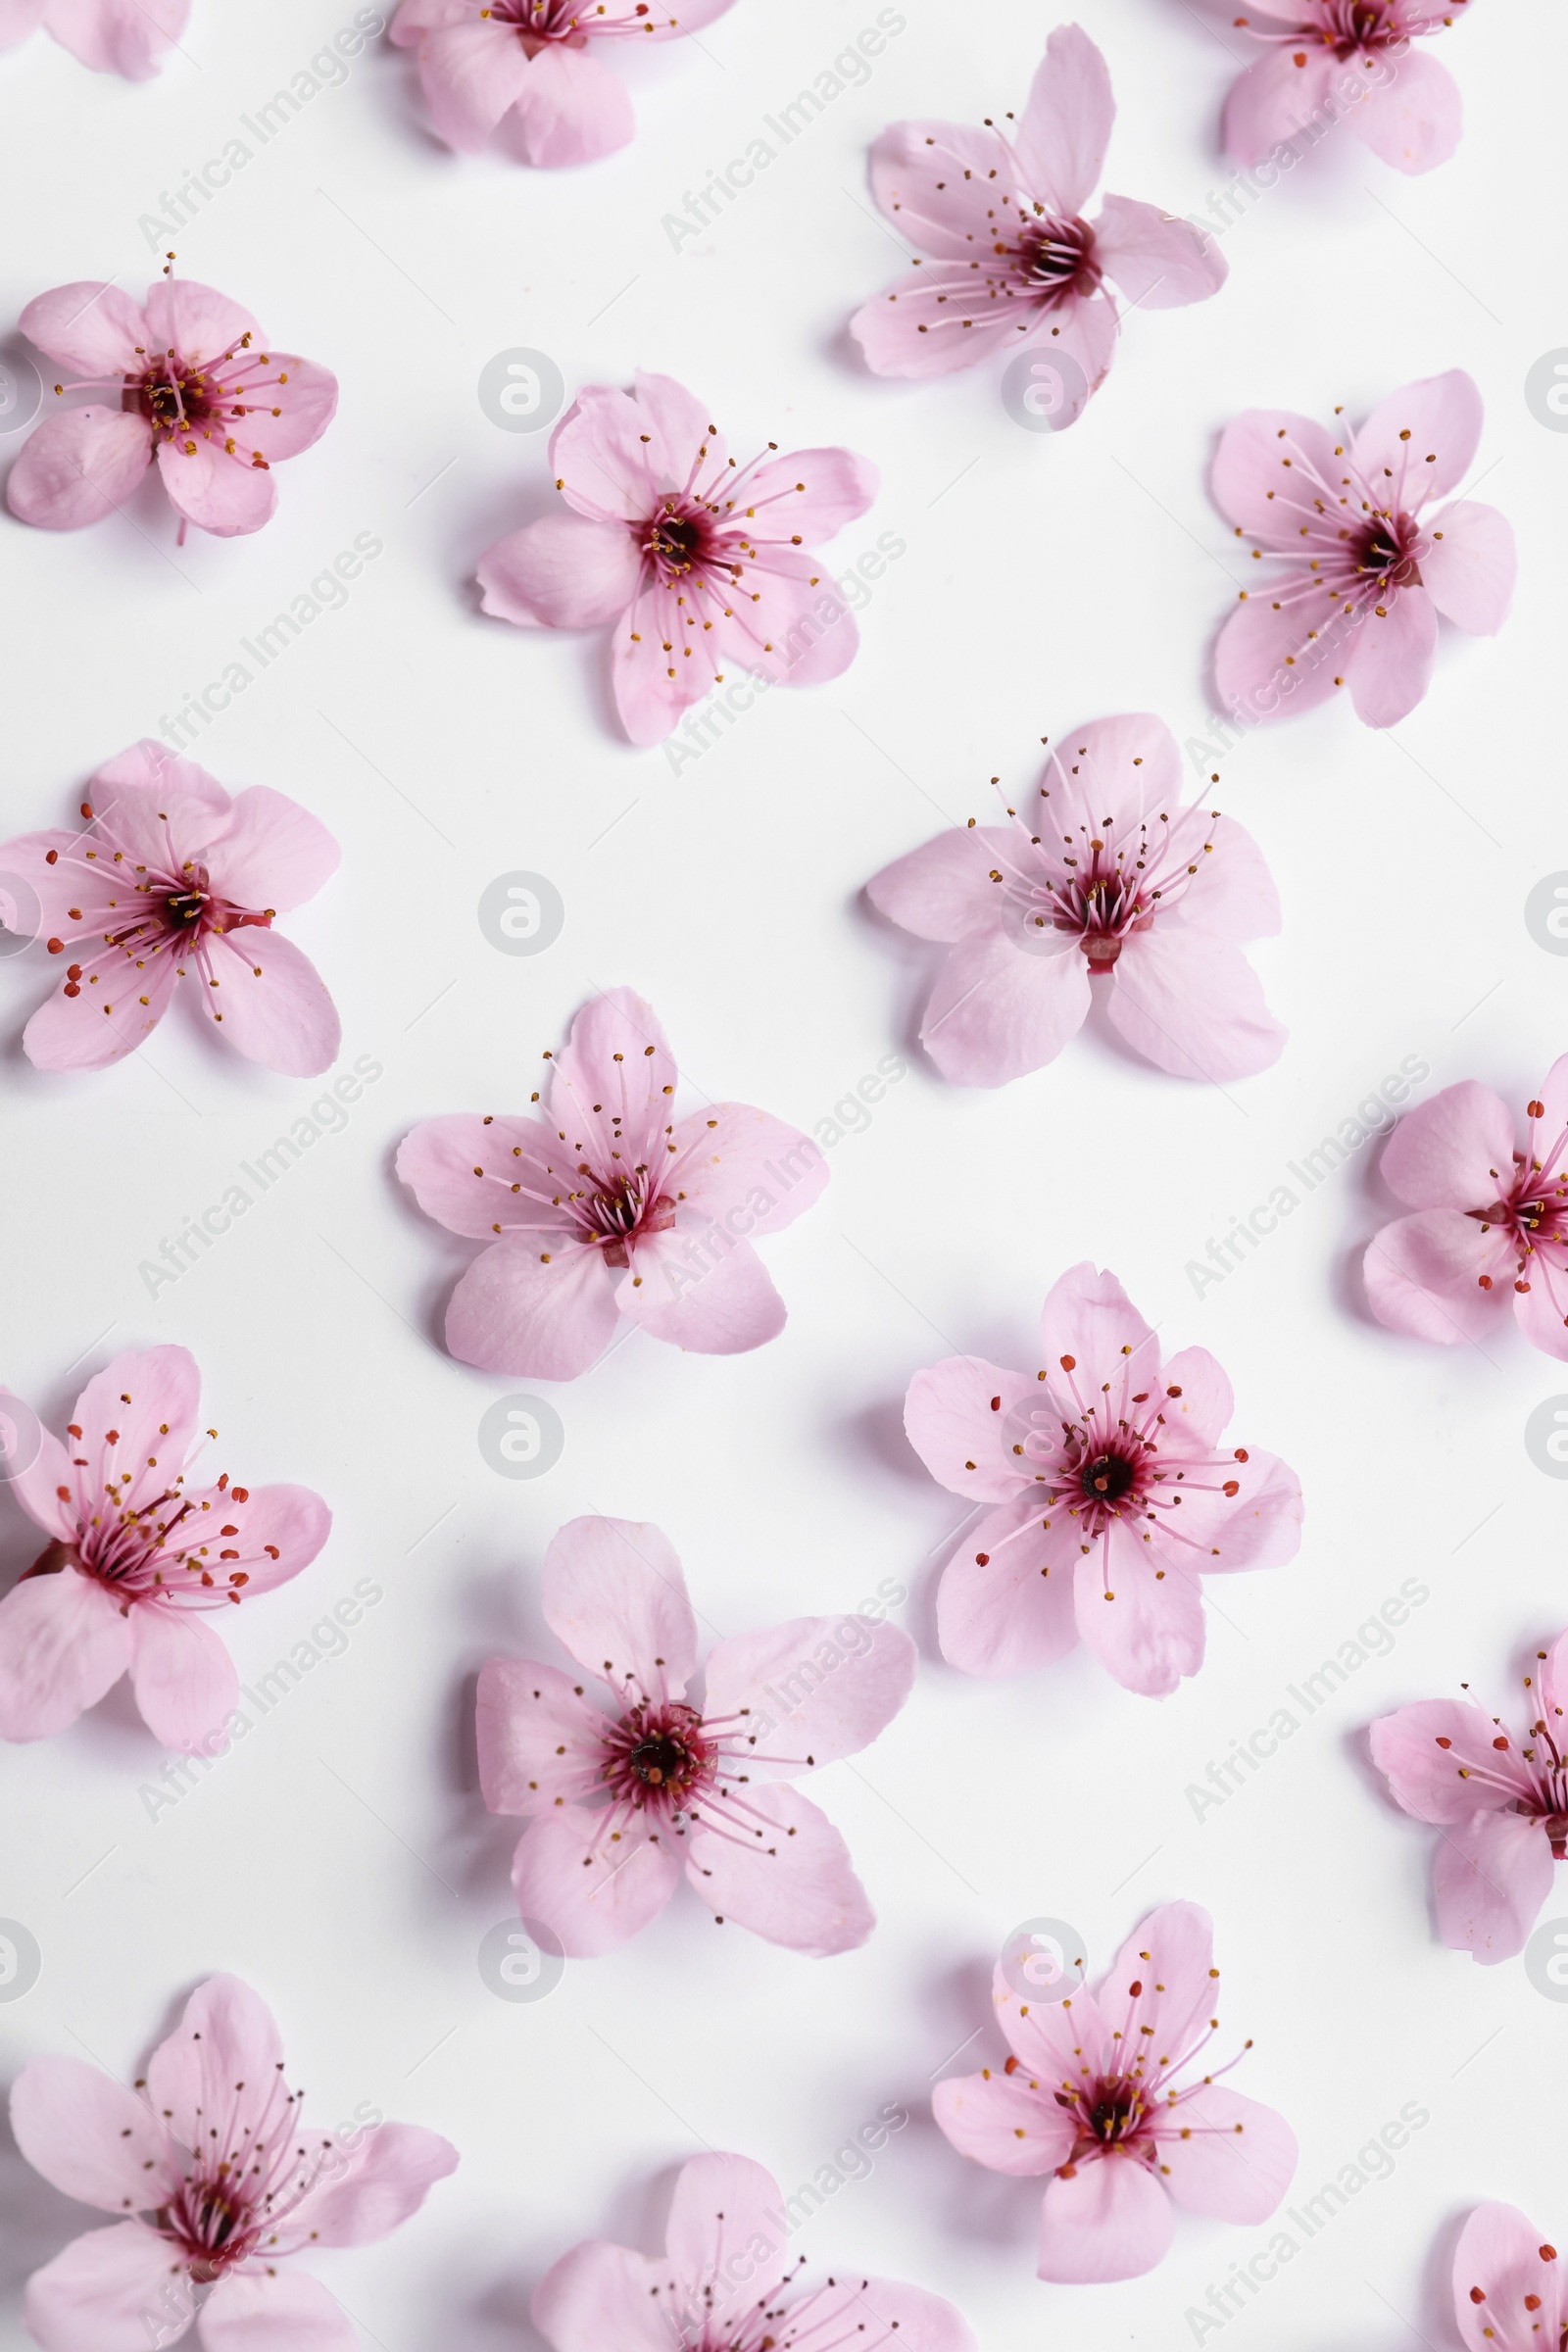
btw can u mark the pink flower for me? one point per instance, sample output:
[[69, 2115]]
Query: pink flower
[[225, 2185], [170, 880], [1092, 2095], [1508, 2291], [534, 58], [114, 36], [1501, 1805], [1105, 875], [640, 1216], [1001, 217], [616, 1800], [1104, 1472], [696, 559], [182, 380], [1490, 1228], [725, 2283], [1349, 61], [138, 1553], [1359, 578]]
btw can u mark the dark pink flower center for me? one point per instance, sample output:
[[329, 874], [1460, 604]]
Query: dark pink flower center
[[539, 23], [620, 1211], [166, 909], [1532, 1212], [172, 1547], [658, 1757], [1387, 551], [1108, 2111], [1055, 258], [1093, 885]]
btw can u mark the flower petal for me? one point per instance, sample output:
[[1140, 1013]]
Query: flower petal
[[371, 2187], [1088, 1316], [1226, 2156], [613, 1082], [272, 853], [62, 1643], [1004, 1604], [118, 37], [958, 1416], [745, 1169], [601, 2294], [1154, 260], [602, 458], [725, 2226], [1064, 128], [80, 466], [1142, 1614], [473, 73], [1109, 2220], [595, 1888], [97, 1027], [90, 2137], [198, 322], [185, 1679], [287, 411], [811, 494], [1446, 1760], [1470, 567], [271, 1001], [1414, 122], [255, 2309], [1162, 1978], [218, 2067], [823, 1687], [882, 2315], [562, 572], [937, 319], [790, 1882], [225, 495], [516, 1311], [95, 328], [1454, 1151], [998, 1012], [1274, 657], [475, 1175], [1266, 459], [1418, 443], [105, 2289], [1424, 1275], [1276, 98], [700, 1290], [1004, 2122], [1492, 1875], [572, 108], [540, 1741], [1504, 2275], [944, 890], [1391, 668], [614, 1596], [1191, 1005], [936, 182]]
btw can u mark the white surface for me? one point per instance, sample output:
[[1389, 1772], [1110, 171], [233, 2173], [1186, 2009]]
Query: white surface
[[341, 1859]]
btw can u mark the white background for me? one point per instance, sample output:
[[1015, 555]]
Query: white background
[[341, 1859]]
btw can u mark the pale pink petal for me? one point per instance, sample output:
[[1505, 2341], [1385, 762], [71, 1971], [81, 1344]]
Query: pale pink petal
[[80, 466], [1145, 1628], [1390, 668], [463, 1170], [269, 1002], [939, 318], [1156, 261], [745, 1169], [185, 1679], [936, 182], [72, 897], [222, 2060], [1007, 2122], [1200, 1401], [1084, 329], [651, 684], [292, 1522], [881, 2314], [602, 458], [810, 1690], [63, 1642], [1260, 1526], [960, 1417], [791, 1882], [1260, 455], [1163, 1978], [1062, 134], [1423, 1275], [813, 493], [1226, 2156], [725, 2244], [1551, 1682], [1492, 1875], [90, 2137], [255, 2310], [593, 1893], [272, 853], [998, 1012], [389, 2171], [225, 495], [801, 633], [1445, 1761], [137, 1416], [91, 327], [147, 796], [1110, 2220], [100, 1026], [1110, 771], [1004, 1604], [947, 889], [682, 433], [471, 72], [1541, 1308], [601, 2294], [1418, 442], [97, 2294], [614, 1078], [1058, 2041], [1273, 657], [18, 18], [539, 1739], [572, 108], [1454, 1151], [1500, 2260], [1470, 567], [544, 1317], [1088, 1316], [1272, 99], [697, 1288], [118, 37], [1191, 1005], [305, 394], [614, 1596], [562, 572], [197, 320], [1232, 893], [36, 1483], [1414, 120]]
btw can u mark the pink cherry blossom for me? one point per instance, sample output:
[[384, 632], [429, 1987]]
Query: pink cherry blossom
[[1103, 875], [618, 1800], [215, 2184], [534, 60], [1488, 1228], [132, 37], [170, 879], [726, 2283], [1106, 1472], [1501, 1800], [1508, 2291], [1355, 577], [641, 1216], [1346, 61], [698, 560], [1092, 2094], [140, 1551], [186, 384], [1016, 265]]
